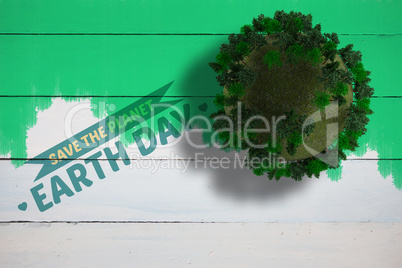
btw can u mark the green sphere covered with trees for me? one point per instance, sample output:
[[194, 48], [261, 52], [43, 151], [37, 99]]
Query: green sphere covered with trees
[[284, 70]]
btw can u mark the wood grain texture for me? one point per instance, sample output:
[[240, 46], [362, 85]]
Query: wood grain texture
[[210, 16], [200, 191], [64, 118], [85, 49], [137, 65], [202, 245]]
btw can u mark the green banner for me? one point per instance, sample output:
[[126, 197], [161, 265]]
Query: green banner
[[101, 132]]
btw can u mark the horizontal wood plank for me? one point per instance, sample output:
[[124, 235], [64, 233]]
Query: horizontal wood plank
[[28, 126], [137, 65], [198, 192], [158, 16], [202, 245]]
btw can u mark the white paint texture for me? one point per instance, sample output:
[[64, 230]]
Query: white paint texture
[[365, 207], [201, 245]]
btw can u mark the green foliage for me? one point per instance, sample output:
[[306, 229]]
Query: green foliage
[[352, 58], [223, 60], [257, 24], [238, 73], [273, 148], [231, 100], [343, 141], [312, 38], [357, 120], [236, 89], [321, 100], [359, 73], [271, 26], [340, 89], [284, 40], [234, 39], [349, 56], [345, 76], [329, 46], [216, 67], [314, 55], [274, 170], [289, 125], [294, 26], [315, 167], [238, 141], [329, 50], [259, 171], [341, 99], [332, 67], [224, 139], [243, 48], [255, 154], [282, 17], [272, 58], [347, 140], [233, 141], [307, 22], [363, 91], [255, 39], [332, 37], [297, 170], [329, 77], [246, 29], [343, 52], [283, 172], [278, 171], [223, 78], [219, 101], [294, 53], [222, 127], [291, 129], [293, 140], [246, 77], [365, 105]]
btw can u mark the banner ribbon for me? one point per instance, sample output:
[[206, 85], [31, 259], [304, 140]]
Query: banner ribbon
[[108, 128]]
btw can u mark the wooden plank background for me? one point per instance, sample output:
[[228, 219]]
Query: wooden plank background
[[85, 56]]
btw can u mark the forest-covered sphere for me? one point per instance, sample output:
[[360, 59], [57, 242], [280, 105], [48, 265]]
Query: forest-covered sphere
[[284, 66]]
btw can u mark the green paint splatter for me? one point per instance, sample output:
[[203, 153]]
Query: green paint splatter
[[19, 114], [383, 136], [335, 174], [17, 117]]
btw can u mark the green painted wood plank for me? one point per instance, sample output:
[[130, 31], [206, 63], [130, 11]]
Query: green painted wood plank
[[137, 65], [210, 16], [381, 56], [383, 131], [107, 65]]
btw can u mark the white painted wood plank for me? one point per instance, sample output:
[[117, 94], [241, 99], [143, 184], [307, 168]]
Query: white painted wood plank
[[201, 245], [171, 192]]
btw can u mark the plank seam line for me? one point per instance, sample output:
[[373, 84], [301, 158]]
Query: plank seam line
[[96, 96], [133, 96], [164, 159], [195, 34], [135, 222]]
